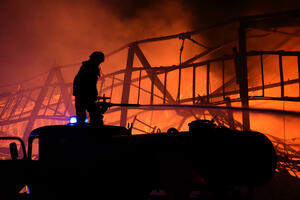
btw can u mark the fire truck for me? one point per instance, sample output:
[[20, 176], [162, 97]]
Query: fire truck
[[108, 162]]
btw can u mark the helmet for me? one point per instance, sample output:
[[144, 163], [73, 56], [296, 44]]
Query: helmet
[[97, 55]]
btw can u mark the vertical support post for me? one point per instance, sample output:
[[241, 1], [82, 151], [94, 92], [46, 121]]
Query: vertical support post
[[207, 81], [165, 86], [299, 73], [262, 74], [281, 76], [139, 89], [126, 86], [112, 86], [152, 91], [194, 83], [243, 75], [101, 86], [179, 85]]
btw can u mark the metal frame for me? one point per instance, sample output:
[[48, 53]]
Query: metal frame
[[29, 105]]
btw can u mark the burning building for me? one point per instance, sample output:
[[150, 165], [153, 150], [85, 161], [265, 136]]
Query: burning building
[[247, 62]]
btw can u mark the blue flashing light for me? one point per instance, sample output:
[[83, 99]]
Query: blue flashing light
[[73, 120]]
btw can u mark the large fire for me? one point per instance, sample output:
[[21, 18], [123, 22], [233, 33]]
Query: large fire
[[65, 34]]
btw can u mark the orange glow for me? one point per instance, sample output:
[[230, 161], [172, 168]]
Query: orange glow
[[68, 34]]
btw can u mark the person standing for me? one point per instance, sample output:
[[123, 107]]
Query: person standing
[[85, 90]]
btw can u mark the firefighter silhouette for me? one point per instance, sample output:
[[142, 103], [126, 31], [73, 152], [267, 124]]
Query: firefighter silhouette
[[85, 90]]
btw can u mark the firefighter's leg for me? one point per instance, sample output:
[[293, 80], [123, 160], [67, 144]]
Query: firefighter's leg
[[95, 114], [80, 112]]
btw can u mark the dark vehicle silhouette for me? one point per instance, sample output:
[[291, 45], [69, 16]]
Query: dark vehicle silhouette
[[108, 162]]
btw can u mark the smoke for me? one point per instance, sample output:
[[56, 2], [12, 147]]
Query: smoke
[[214, 11], [37, 35]]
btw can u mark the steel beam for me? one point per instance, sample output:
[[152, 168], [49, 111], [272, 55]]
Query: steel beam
[[152, 74], [243, 75], [207, 82], [126, 86], [281, 77], [67, 97], [194, 83], [38, 104], [262, 75]]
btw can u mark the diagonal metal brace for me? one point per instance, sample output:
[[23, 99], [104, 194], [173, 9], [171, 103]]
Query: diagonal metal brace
[[152, 74]]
